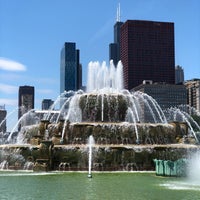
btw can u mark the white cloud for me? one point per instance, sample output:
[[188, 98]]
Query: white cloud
[[8, 89], [8, 102], [10, 65]]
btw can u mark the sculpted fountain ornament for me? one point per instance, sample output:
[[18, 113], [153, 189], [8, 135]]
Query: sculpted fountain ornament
[[129, 129]]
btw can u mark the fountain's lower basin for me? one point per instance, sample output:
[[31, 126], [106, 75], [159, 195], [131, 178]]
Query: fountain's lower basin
[[116, 146], [105, 157]]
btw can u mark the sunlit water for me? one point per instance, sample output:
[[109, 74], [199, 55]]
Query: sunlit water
[[76, 186]]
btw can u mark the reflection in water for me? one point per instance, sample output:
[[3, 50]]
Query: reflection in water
[[90, 190], [181, 185]]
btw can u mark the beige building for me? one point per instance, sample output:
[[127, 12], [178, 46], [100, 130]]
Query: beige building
[[193, 93]]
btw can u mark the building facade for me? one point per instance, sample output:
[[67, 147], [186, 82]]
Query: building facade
[[79, 71], [147, 52], [3, 114], [193, 93], [166, 95], [114, 48], [70, 68], [179, 75], [25, 99], [46, 104]]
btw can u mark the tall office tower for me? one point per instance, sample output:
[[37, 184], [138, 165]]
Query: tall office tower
[[147, 52], [193, 93], [114, 48], [26, 99], [3, 114], [46, 104], [179, 75], [69, 68], [79, 70]]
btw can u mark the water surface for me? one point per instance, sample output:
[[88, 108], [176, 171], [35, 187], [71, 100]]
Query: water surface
[[76, 186]]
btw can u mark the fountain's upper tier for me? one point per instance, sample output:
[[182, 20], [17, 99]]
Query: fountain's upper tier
[[103, 107], [114, 107], [104, 78]]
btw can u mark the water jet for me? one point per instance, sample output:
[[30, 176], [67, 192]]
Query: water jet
[[90, 146]]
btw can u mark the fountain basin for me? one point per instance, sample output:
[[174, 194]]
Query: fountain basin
[[105, 157], [116, 146]]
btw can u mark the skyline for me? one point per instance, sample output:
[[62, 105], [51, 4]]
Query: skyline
[[33, 33]]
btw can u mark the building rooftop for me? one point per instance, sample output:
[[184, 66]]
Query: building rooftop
[[2, 107]]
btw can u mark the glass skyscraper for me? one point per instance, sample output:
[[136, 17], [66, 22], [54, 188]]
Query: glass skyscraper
[[70, 71]]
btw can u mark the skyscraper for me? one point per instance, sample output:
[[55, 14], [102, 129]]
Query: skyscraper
[[179, 74], [70, 68], [114, 48], [3, 114], [79, 70], [147, 52], [26, 99]]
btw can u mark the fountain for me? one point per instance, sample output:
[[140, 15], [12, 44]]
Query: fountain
[[129, 128], [90, 145]]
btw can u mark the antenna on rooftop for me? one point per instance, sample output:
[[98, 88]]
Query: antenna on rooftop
[[118, 13]]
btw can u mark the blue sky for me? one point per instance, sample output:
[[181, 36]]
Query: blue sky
[[33, 32]]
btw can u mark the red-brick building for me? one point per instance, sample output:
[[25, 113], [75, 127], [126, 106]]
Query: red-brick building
[[147, 52]]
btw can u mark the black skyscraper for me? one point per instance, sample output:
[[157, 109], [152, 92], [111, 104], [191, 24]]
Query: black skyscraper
[[26, 99], [114, 48]]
